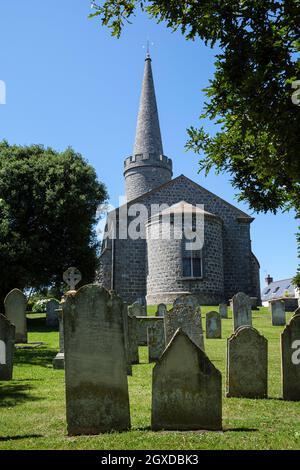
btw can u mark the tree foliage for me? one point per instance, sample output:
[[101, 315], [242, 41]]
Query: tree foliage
[[48, 203], [249, 97]]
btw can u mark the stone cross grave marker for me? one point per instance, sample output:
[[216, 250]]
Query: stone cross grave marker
[[186, 388], [72, 277], [247, 364]]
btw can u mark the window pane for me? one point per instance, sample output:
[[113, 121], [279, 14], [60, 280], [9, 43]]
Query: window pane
[[197, 267], [187, 267]]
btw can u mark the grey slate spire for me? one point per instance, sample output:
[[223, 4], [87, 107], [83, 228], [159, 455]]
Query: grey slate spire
[[148, 136]]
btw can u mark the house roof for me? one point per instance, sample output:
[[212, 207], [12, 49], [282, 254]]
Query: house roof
[[278, 290]]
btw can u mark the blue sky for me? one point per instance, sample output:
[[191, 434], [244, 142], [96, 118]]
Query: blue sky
[[70, 83]]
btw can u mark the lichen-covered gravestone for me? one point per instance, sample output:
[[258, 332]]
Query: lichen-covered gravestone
[[59, 360], [247, 364], [213, 325], [156, 341], [136, 310], [15, 312], [223, 309], [7, 345], [133, 339], [290, 359], [278, 312], [189, 319], [187, 299], [186, 388], [161, 310], [241, 310], [95, 362], [52, 314]]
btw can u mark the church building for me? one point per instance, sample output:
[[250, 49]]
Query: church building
[[158, 269]]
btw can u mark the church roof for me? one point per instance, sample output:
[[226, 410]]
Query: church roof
[[240, 214], [148, 136], [184, 207]]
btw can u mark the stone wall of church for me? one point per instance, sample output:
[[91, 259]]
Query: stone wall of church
[[131, 255], [141, 180], [165, 281]]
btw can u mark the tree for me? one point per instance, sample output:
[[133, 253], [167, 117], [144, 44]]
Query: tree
[[258, 137], [48, 204]]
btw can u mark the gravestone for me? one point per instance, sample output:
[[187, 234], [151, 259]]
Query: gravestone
[[223, 309], [142, 326], [290, 359], [15, 312], [7, 346], [213, 325], [52, 314], [247, 364], [156, 341], [136, 310], [241, 310], [187, 299], [59, 360], [126, 338], [189, 319], [186, 388], [95, 362], [133, 339], [278, 312], [161, 310]]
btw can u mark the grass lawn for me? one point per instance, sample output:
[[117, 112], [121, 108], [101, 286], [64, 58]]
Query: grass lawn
[[32, 406]]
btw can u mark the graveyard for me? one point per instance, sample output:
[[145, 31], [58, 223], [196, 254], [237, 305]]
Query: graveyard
[[33, 408]]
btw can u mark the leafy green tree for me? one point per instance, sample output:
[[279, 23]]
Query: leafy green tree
[[48, 205], [258, 138]]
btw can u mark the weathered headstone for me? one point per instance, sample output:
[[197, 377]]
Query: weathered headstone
[[156, 341], [126, 338], [136, 310], [161, 310], [223, 309], [290, 359], [59, 360], [278, 312], [187, 299], [186, 388], [133, 339], [52, 314], [7, 345], [247, 364], [241, 310], [95, 362], [15, 312], [142, 326], [189, 319], [213, 325]]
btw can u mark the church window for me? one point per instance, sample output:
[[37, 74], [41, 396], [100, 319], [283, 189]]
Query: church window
[[192, 265]]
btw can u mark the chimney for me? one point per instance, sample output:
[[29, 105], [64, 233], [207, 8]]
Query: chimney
[[268, 280]]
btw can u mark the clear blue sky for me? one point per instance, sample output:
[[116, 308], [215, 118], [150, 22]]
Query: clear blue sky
[[70, 83]]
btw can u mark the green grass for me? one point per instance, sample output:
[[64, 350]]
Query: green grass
[[32, 406]]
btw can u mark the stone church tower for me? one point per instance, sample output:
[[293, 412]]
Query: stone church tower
[[159, 269], [148, 167]]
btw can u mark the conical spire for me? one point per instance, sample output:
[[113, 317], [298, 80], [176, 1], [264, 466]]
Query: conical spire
[[148, 136]]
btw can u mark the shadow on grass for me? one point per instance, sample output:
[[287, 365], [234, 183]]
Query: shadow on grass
[[18, 438], [12, 395], [36, 356], [38, 325]]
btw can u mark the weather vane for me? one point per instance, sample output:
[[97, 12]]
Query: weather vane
[[147, 47]]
